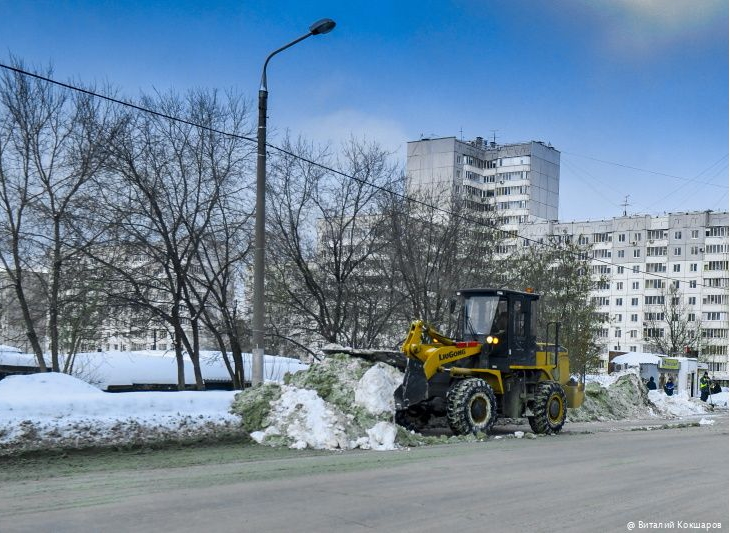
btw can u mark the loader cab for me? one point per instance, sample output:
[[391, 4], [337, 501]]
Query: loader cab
[[504, 321]]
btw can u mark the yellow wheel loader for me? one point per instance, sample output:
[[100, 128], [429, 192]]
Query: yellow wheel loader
[[496, 368]]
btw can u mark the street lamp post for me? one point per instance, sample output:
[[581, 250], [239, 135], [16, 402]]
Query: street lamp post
[[257, 326]]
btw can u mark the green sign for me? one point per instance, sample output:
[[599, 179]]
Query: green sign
[[669, 364]]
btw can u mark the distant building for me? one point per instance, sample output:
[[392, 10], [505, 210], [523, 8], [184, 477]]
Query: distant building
[[640, 256], [519, 183]]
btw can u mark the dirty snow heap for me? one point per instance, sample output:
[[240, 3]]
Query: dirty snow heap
[[340, 403]]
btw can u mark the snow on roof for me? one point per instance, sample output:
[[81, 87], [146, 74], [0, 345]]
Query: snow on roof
[[636, 358]]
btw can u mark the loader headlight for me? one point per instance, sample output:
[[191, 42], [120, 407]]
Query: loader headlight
[[492, 340]]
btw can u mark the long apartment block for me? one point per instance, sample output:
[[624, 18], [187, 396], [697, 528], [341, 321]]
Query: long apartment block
[[638, 257]]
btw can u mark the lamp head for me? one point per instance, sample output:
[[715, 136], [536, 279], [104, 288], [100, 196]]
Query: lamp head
[[322, 26]]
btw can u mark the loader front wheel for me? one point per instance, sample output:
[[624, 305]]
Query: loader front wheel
[[549, 408], [470, 406]]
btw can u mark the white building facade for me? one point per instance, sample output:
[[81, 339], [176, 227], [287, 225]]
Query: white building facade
[[518, 182], [640, 256]]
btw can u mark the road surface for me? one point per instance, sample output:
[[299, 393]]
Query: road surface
[[605, 480]]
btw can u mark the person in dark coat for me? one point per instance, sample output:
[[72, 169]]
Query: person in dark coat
[[651, 384], [704, 387], [669, 387]]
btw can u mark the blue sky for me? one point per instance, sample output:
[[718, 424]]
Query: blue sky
[[634, 93]]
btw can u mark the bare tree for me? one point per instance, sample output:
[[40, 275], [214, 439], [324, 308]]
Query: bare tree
[[325, 276], [51, 145], [440, 247], [167, 180], [672, 327], [222, 255]]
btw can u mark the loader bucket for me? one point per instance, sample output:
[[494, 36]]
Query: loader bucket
[[414, 388], [574, 394]]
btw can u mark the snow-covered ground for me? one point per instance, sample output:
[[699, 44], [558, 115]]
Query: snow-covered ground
[[114, 368], [51, 410]]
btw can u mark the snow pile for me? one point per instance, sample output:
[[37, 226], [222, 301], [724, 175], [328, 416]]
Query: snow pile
[[372, 389], [52, 410], [677, 405], [719, 399], [624, 395], [340, 403], [301, 419]]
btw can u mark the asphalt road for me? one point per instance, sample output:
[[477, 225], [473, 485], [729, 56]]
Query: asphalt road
[[576, 481]]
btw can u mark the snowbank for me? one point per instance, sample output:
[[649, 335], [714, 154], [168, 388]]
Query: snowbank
[[624, 395], [105, 369], [678, 405], [51, 410], [340, 403]]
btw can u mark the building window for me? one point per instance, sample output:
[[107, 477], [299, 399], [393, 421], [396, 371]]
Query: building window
[[622, 237], [634, 285], [634, 317], [619, 301], [677, 251], [677, 234], [620, 270], [620, 253], [692, 300], [675, 268], [617, 333], [693, 284], [695, 234], [693, 267], [634, 302]]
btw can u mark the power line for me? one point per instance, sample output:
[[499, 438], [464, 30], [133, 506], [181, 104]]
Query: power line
[[684, 178], [504, 233]]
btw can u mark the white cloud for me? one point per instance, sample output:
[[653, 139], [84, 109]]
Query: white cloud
[[646, 27], [341, 125]]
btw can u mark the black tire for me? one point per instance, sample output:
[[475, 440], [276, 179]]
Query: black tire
[[471, 406], [549, 408]]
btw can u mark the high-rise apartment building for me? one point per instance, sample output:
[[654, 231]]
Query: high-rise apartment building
[[519, 183], [639, 257]]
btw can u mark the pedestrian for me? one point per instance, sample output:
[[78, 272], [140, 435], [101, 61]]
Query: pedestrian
[[669, 386], [651, 384], [704, 387], [716, 389]]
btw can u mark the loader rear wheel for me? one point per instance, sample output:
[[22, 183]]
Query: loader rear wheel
[[549, 408], [470, 406]]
